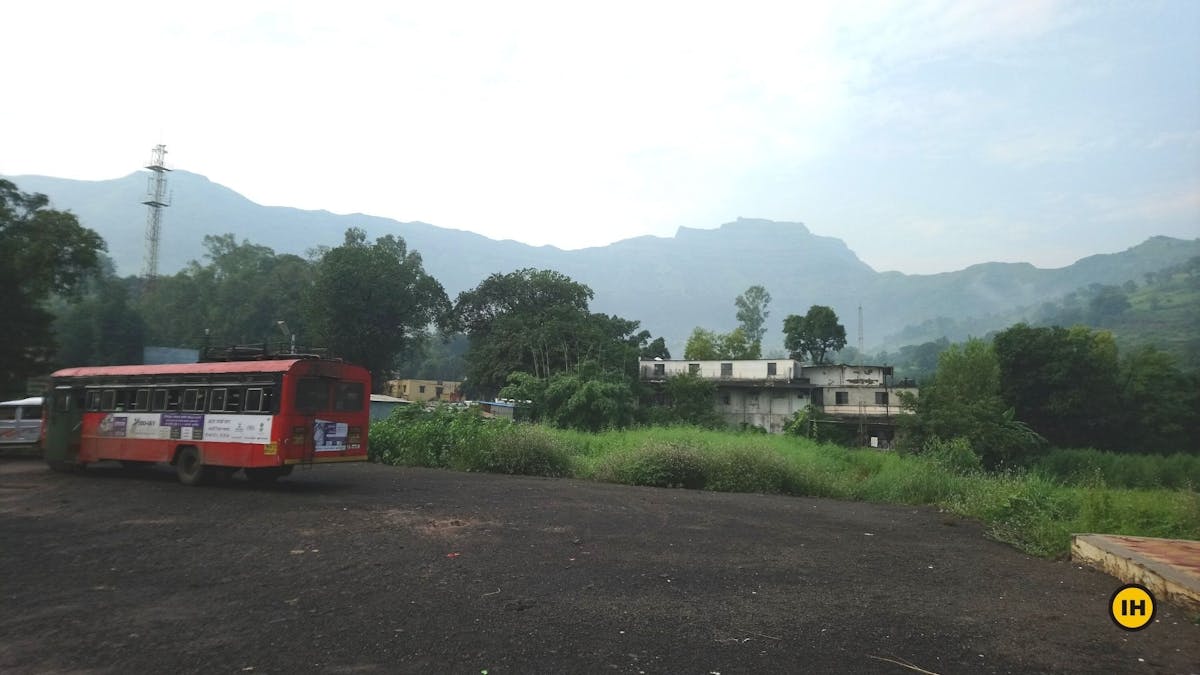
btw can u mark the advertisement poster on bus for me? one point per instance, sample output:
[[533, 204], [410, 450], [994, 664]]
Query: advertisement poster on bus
[[329, 436], [189, 427], [238, 428]]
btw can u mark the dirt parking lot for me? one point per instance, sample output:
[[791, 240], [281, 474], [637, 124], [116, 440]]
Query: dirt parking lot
[[366, 568]]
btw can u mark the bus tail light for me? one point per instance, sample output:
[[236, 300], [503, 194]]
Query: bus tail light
[[297, 435], [354, 437]]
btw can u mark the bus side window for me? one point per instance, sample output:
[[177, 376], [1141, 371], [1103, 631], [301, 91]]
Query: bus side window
[[193, 400], [108, 399], [216, 402], [160, 400], [173, 397], [122, 400], [62, 401], [234, 402], [141, 402], [93, 400], [268, 400], [254, 400]]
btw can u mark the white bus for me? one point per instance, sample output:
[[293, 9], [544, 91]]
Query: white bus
[[20, 422]]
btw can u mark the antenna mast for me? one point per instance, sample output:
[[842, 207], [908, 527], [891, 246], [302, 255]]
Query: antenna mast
[[156, 200]]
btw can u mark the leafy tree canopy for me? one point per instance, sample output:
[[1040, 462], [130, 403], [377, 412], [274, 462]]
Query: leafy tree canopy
[[752, 313], [816, 333], [42, 251], [705, 345], [537, 322], [370, 302], [1061, 381]]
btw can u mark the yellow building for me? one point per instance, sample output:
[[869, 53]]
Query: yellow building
[[425, 390]]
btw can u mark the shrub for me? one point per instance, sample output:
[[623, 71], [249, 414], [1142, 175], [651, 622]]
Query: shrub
[[954, 455], [524, 450], [752, 469], [656, 465]]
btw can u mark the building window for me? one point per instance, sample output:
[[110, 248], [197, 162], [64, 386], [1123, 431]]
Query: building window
[[660, 369], [726, 370], [693, 369], [881, 398], [421, 389], [771, 370], [841, 397], [725, 399]]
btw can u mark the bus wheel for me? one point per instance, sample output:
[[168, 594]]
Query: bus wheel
[[189, 467], [266, 474]]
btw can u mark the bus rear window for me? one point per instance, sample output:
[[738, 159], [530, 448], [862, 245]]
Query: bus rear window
[[348, 396], [312, 394]]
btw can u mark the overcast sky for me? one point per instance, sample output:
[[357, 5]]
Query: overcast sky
[[927, 135]]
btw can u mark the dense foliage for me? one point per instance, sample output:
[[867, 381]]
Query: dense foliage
[[706, 345], [42, 252], [1065, 385], [370, 303], [817, 333], [538, 322]]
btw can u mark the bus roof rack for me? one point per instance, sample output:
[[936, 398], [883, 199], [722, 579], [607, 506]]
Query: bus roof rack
[[259, 352]]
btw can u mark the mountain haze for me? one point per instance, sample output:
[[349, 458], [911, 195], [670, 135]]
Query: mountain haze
[[669, 284]]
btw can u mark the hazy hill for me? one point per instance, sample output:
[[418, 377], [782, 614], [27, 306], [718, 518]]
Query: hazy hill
[[669, 284]]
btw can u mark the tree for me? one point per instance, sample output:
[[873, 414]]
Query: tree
[[702, 345], [752, 313], [964, 401], [685, 399], [586, 398], [1062, 382], [657, 349], [816, 333], [705, 345], [103, 327], [1160, 405], [42, 251], [237, 297], [737, 345], [371, 302], [537, 322]]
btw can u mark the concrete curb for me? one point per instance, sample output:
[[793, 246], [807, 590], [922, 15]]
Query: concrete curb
[[1169, 568]]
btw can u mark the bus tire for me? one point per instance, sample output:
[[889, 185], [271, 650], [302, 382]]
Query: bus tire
[[189, 466]]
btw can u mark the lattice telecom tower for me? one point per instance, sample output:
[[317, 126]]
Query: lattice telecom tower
[[156, 200]]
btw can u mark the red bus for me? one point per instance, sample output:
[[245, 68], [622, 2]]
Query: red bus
[[207, 419]]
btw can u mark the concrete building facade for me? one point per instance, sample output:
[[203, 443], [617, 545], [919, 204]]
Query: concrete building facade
[[421, 391], [767, 393]]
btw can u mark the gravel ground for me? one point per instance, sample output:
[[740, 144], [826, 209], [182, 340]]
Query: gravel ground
[[367, 568]]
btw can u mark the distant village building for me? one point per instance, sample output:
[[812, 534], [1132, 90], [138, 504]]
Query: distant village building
[[382, 405], [767, 393], [421, 391]]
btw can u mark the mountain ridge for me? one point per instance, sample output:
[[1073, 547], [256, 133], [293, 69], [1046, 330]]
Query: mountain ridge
[[670, 284]]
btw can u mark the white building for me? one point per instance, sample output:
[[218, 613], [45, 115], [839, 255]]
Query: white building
[[767, 393]]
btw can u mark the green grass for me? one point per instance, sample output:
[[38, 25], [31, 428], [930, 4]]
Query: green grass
[[1036, 511]]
